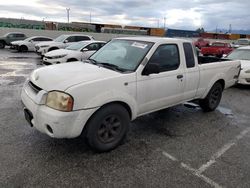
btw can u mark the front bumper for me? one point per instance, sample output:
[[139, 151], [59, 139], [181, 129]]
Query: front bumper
[[52, 122], [41, 51], [49, 61]]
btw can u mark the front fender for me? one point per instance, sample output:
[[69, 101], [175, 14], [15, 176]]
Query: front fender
[[113, 96]]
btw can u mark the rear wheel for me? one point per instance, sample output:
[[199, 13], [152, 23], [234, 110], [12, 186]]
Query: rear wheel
[[212, 99], [2, 44], [108, 127]]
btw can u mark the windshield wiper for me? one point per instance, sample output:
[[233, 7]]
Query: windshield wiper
[[112, 66], [108, 65]]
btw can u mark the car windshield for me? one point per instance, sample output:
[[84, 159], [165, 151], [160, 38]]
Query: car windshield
[[123, 54], [218, 44], [77, 46], [243, 42], [61, 38], [239, 54]]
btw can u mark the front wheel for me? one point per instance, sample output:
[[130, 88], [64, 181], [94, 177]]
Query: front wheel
[[23, 48], [108, 127], [212, 99]]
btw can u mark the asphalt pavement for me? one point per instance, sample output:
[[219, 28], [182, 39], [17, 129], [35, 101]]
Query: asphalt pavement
[[177, 147]]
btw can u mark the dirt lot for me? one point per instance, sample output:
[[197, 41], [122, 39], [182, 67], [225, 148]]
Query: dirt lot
[[177, 147]]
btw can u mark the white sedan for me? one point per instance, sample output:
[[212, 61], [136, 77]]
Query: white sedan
[[29, 43], [75, 52], [242, 54]]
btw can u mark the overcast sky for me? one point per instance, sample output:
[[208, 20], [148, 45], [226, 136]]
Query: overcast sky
[[180, 14]]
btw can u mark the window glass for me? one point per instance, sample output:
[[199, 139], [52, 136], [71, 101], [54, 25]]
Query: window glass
[[93, 46], [71, 39], [189, 55], [166, 57], [218, 44], [239, 54], [125, 54], [44, 39], [81, 38]]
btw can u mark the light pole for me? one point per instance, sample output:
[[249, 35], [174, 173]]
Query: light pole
[[68, 9]]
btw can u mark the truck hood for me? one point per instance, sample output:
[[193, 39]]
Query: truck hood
[[61, 77], [61, 52]]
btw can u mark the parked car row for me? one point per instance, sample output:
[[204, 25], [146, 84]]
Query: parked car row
[[65, 48]]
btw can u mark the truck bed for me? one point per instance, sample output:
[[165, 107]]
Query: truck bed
[[205, 59]]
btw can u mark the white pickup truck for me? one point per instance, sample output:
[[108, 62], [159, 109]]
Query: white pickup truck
[[127, 78]]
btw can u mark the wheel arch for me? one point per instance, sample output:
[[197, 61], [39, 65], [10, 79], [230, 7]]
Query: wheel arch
[[53, 48], [219, 80], [72, 59]]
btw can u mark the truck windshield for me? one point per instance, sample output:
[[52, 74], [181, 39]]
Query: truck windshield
[[239, 54], [124, 54]]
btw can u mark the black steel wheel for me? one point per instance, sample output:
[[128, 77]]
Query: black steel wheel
[[212, 99], [108, 127]]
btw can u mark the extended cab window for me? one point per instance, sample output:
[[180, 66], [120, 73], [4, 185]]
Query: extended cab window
[[166, 57], [189, 55]]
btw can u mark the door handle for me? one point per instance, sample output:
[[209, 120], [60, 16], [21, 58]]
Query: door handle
[[179, 76]]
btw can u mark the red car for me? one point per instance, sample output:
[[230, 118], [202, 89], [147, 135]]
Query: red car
[[201, 43], [217, 49]]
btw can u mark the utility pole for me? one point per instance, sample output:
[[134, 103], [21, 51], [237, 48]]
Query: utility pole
[[89, 17], [164, 23], [68, 9], [230, 29]]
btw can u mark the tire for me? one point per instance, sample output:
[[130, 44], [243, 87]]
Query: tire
[[107, 128], [2, 44], [23, 48], [212, 99]]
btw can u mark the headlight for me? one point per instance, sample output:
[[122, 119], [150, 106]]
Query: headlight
[[58, 56], [44, 46], [59, 101], [247, 71]]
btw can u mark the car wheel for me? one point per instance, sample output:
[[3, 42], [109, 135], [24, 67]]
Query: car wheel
[[212, 99], [23, 48], [2, 44], [107, 128]]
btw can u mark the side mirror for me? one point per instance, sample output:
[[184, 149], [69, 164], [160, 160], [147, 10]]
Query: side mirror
[[66, 41], [151, 68], [84, 49]]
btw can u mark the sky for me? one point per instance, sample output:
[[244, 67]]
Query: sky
[[177, 14]]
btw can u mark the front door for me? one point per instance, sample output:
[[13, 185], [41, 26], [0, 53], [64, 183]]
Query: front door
[[164, 89]]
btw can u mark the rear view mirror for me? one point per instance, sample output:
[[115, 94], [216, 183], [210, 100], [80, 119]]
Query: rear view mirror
[[151, 68], [66, 41]]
